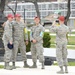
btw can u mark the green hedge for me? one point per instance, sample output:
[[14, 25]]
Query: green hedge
[[29, 44], [46, 41]]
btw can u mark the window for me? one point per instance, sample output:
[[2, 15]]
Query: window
[[40, 7], [50, 12], [43, 14], [19, 8], [13, 7], [28, 14], [73, 5], [33, 7], [33, 14], [62, 12], [49, 6], [55, 6], [73, 13], [28, 7], [61, 6], [23, 7], [43, 6], [65, 13]]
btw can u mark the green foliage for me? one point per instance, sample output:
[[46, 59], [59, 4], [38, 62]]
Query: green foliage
[[46, 40], [69, 64], [1, 66], [29, 43]]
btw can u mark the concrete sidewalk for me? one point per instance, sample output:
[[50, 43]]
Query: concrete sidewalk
[[51, 52], [49, 70]]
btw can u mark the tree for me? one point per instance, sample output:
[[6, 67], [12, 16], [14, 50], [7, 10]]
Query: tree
[[3, 2], [37, 9], [68, 12], [36, 6], [2, 6]]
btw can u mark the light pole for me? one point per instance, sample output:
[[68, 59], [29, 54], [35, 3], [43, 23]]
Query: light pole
[[24, 15]]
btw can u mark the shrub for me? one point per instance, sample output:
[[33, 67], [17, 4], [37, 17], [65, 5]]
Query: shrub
[[46, 40], [29, 44]]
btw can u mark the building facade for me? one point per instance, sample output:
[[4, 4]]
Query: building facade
[[45, 9]]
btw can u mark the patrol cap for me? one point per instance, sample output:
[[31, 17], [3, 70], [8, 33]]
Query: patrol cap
[[10, 46], [61, 18], [17, 15], [10, 16]]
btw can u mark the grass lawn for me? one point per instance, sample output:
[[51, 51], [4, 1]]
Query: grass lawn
[[2, 66], [69, 64], [71, 42], [71, 45], [68, 47], [72, 32]]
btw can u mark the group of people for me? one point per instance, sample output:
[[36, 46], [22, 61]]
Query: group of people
[[15, 32]]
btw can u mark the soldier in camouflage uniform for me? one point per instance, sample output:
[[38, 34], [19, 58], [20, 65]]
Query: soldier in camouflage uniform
[[36, 38], [7, 38], [61, 43], [18, 39]]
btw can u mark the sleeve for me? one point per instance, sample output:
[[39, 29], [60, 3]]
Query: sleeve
[[26, 33], [9, 33], [40, 37], [68, 30], [53, 28]]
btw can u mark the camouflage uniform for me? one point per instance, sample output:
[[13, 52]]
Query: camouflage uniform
[[61, 43], [18, 38], [7, 37], [37, 48]]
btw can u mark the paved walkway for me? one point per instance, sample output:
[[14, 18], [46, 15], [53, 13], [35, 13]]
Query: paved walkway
[[51, 52], [49, 70], [48, 52]]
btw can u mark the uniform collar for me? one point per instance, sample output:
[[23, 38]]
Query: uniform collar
[[38, 25]]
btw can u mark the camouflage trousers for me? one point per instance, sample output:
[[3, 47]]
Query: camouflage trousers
[[19, 44], [8, 52], [37, 50], [61, 53]]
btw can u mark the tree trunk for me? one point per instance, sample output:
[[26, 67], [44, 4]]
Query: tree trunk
[[68, 12], [37, 9], [36, 6], [2, 6]]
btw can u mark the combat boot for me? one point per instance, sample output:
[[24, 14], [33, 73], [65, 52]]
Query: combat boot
[[14, 67], [7, 66], [34, 65], [43, 67], [61, 71], [26, 65], [66, 69]]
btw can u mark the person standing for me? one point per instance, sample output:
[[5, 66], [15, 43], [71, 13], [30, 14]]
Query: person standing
[[18, 39], [36, 38], [61, 43], [7, 38]]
